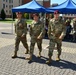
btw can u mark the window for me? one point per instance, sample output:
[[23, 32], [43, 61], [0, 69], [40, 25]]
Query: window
[[3, 5], [10, 11], [12, 5], [10, 1], [6, 6], [3, 0], [6, 0]]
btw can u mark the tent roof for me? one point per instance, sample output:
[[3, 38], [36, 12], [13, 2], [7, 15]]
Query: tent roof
[[32, 6], [66, 7]]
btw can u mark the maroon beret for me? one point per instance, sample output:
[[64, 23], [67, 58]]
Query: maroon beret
[[18, 13], [56, 12], [35, 14]]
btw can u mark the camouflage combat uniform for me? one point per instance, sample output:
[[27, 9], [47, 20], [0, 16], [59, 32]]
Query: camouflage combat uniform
[[20, 30], [74, 27], [36, 29], [56, 29]]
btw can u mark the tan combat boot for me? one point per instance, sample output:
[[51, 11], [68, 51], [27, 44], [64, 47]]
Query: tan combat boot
[[48, 61], [39, 54], [29, 58], [15, 55], [58, 58]]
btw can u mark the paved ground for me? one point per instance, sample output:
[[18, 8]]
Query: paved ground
[[20, 66]]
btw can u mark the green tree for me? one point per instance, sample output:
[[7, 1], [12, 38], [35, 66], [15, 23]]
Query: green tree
[[3, 15], [26, 15]]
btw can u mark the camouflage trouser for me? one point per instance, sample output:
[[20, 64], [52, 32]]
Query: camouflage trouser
[[39, 44], [17, 42], [52, 46], [74, 36]]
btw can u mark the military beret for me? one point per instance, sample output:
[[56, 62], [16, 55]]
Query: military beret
[[35, 14], [56, 12], [18, 13]]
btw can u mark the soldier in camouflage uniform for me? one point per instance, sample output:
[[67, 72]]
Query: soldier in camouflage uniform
[[56, 32], [36, 33], [20, 31], [74, 28]]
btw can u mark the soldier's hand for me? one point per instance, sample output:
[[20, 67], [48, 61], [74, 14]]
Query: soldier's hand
[[22, 36], [39, 37], [60, 37]]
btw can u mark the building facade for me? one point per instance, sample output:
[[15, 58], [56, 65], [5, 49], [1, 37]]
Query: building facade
[[45, 3], [7, 5]]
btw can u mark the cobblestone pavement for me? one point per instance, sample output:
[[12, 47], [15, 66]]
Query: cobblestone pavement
[[20, 66]]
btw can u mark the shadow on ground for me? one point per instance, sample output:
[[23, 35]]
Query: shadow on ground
[[41, 60], [63, 64], [7, 33]]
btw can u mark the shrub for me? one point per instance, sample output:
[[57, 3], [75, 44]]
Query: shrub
[[3, 15], [14, 16], [26, 15]]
